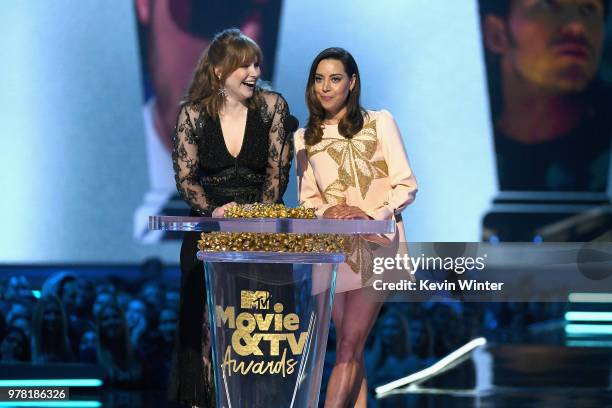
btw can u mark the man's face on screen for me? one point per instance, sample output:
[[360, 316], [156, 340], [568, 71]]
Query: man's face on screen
[[555, 44], [180, 30], [172, 51]]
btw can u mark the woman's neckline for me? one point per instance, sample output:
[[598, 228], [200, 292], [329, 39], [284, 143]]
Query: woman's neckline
[[244, 136]]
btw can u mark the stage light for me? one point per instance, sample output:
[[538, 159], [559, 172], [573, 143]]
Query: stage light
[[60, 382], [588, 316], [588, 329], [590, 297], [588, 343], [75, 403]]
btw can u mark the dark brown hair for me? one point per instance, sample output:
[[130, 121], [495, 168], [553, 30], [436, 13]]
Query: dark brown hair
[[43, 343], [352, 122], [229, 50], [115, 355]]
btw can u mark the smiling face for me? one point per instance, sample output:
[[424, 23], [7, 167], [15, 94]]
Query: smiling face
[[332, 86], [240, 84], [553, 44]]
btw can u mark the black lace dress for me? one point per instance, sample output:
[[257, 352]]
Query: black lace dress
[[207, 177]]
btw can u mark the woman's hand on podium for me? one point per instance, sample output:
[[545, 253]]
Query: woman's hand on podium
[[348, 212], [345, 212], [219, 212]]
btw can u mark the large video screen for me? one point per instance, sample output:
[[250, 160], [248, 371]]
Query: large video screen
[[89, 110]]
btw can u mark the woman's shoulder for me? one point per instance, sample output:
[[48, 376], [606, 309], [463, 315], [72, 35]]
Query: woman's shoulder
[[298, 138], [193, 114], [269, 92], [382, 114], [191, 109], [381, 119], [270, 103], [271, 97]]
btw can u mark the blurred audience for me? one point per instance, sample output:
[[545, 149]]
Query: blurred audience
[[128, 328], [389, 356], [102, 299], [18, 309], [15, 347], [22, 323], [152, 293], [87, 347], [160, 355], [16, 288]]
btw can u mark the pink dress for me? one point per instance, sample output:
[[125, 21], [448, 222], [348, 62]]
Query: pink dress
[[370, 171]]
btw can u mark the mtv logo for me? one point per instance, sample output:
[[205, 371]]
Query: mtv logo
[[259, 299]]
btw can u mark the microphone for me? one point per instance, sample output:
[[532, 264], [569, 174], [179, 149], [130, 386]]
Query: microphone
[[290, 125]]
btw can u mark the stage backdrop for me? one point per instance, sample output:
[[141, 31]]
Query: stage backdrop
[[73, 162]]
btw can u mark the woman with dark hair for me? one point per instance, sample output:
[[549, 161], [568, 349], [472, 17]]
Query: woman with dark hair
[[351, 164], [113, 349], [229, 148], [50, 332]]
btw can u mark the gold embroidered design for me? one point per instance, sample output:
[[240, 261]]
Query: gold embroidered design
[[354, 160], [334, 193], [359, 256]]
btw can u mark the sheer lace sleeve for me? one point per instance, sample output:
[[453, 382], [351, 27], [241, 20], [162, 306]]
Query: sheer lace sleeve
[[186, 162], [281, 149]]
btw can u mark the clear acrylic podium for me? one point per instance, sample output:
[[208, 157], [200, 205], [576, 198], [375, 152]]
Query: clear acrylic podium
[[269, 311]]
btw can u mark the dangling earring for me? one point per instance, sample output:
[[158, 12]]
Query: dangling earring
[[221, 91]]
